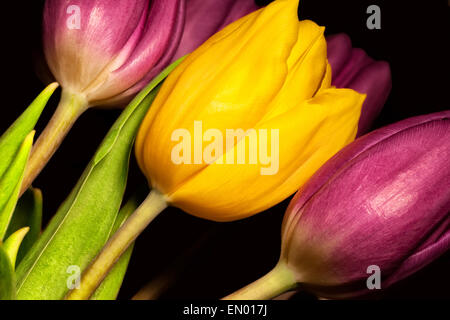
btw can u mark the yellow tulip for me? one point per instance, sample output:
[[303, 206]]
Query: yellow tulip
[[266, 79], [265, 71]]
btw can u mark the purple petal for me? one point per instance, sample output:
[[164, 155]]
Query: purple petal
[[432, 248], [206, 17], [161, 33], [375, 81], [357, 61], [339, 48]]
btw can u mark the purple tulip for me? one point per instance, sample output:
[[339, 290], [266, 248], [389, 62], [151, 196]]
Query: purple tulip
[[206, 17], [353, 68], [108, 50], [384, 200], [102, 52]]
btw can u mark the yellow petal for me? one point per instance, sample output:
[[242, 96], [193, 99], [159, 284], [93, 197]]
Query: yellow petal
[[308, 136], [307, 65]]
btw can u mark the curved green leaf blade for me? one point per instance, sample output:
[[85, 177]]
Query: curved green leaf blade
[[12, 244], [7, 285], [11, 182], [28, 213], [11, 140], [110, 286], [84, 221]]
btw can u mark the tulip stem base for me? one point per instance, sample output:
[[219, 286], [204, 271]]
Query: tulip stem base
[[276, 282], [70, 107], [118, 244]]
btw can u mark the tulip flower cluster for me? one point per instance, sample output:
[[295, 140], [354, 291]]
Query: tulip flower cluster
[[232, 108], [104, 52], [292, 96]]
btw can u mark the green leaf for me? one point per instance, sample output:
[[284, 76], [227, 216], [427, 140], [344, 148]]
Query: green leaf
[[110, 286], [10, 183], [12, 244], [7, 285], [12, 139], [85, 220], [28, 213]]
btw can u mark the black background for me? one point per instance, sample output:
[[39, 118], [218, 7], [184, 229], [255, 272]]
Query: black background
[[413, 39]]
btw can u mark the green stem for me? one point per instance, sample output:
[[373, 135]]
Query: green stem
[[117, 244], [70, 107], [276, 282]]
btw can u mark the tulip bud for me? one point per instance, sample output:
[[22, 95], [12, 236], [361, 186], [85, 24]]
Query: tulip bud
[[380, 205], [353, 68], [206, 17], [383, 201], [102, 53], [282, 90], [115, 48]]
